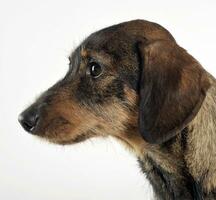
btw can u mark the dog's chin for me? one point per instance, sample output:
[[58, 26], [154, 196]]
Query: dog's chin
[[58, 131], [62, 132], [65, 139], [60, 141]]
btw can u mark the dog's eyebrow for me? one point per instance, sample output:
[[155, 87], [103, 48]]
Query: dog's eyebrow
[[83, 51]]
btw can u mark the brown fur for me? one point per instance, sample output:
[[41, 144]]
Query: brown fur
[[150, 88]]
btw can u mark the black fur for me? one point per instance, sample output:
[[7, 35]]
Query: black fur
[[88, 93]]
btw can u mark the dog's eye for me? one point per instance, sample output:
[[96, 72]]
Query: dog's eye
[[95, 69]]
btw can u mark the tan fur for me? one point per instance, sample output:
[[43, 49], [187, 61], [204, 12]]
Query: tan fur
[[201, 152], [83, 52]]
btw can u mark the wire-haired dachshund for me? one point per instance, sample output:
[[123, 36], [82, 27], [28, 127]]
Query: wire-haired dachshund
[[134, 82]]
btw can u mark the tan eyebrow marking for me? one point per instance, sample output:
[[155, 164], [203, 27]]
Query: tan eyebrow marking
[[83, 52]]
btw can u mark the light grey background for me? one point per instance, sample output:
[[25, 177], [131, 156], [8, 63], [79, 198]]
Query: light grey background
[[35, 39]]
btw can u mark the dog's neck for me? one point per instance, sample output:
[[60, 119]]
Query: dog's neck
[[167, 169], [185, 166], [168, 185], [168, 174]]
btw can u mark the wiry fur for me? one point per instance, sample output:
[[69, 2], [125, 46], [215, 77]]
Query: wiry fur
[[152, 96]]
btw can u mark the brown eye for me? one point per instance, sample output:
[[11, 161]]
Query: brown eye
[[95, 69]]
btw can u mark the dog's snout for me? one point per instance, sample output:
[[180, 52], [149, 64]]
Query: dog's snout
[[29, 119]]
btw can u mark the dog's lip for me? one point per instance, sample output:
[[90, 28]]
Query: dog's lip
[[42, 129]]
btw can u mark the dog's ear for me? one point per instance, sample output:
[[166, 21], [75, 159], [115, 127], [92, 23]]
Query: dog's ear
[[172, 88]]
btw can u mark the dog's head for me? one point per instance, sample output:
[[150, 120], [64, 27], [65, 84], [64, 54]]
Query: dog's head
[[126, 76]]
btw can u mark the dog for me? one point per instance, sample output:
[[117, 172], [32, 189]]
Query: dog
[[132, 81]]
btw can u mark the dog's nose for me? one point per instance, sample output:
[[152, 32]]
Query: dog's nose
[[29, 119]]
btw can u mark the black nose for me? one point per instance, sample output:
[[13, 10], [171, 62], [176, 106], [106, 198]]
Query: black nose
[[29, 119]]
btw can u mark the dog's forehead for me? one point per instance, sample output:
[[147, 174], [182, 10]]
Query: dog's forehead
[[132, 29], [96, 42], [104, 38], [121, 34]]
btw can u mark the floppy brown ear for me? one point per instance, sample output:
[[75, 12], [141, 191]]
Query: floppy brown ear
[[173, 86]]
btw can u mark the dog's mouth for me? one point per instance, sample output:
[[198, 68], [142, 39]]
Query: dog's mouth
[[61, 131], [57, 127]]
